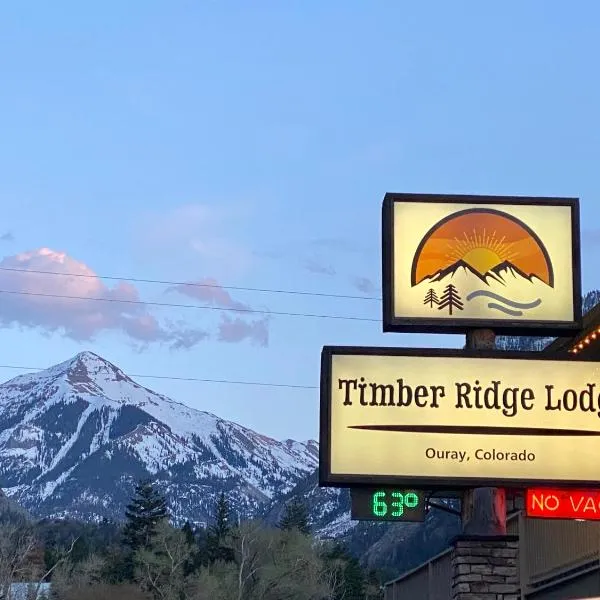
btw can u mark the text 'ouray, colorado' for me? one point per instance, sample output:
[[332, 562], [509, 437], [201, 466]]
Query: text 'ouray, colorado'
[[493, 395]]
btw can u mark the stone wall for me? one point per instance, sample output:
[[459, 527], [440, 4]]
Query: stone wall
[[485, 568]]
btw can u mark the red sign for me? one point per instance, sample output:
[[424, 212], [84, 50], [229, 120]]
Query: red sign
[[550, 503]]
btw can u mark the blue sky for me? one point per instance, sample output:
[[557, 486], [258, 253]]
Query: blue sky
[[251, 144]]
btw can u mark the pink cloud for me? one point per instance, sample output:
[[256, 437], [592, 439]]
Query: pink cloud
[[209, 291], [238, 330], [79, 319], [230, 329]]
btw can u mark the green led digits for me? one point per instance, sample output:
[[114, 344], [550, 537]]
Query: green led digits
[[379, 508], [411, 500], [399, 502]]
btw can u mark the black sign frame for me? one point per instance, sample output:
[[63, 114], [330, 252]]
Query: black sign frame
[[392, 323], [429, 483]]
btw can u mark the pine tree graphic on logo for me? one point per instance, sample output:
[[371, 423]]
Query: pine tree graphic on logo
[[450, 299], [431, 298]]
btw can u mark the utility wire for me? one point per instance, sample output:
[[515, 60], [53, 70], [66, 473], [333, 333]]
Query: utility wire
[[195, 306], [196, 379], [191, 284]]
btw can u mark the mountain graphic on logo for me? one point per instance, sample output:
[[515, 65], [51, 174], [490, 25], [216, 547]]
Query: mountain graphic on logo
[[504, 273]]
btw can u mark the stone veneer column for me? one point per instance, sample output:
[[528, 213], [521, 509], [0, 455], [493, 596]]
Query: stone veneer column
[[485, 568]]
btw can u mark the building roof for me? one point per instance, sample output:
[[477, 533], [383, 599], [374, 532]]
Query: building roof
[[585, 344]]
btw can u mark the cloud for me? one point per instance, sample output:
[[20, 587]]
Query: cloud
[[203, 233], [79, 319], [238, 330], [316, 266], [340, 245], [230, 329], [365, 285], [300, 251], [7, 236]]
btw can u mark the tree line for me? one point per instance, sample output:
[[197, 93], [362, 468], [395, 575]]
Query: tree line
[[147, 558]]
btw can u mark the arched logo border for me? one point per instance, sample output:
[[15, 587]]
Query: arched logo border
[[492, 211]]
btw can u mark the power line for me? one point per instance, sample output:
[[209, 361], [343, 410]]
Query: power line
[[196, 379], [198, 285], [176, 305]]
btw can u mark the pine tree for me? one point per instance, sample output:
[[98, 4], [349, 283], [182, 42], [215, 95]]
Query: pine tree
[[218, 532], [221, 526], [349, 576], [295, 516], [450, 299], [431, 298], [188, 531], [146, 510]]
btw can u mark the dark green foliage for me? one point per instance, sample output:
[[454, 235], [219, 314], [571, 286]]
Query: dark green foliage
[[142, 515], [194, 562], [221, 525], [56, 535], [105, 591], [189, 534], [218, 531], [351, 581], [295, 517]]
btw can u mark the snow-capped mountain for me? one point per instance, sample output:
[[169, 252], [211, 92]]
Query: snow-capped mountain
[[75, 438], [503, 273]]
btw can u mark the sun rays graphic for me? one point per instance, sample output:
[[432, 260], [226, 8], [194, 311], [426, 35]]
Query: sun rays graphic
[[481, 250], [482, 239]]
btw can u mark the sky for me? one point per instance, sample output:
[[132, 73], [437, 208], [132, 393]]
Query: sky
[[249, 145]]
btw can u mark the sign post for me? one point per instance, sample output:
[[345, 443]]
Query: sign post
[[483, 510], [476, 420], [483, 517]]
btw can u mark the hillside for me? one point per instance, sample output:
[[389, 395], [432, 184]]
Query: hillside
[[76, 437]]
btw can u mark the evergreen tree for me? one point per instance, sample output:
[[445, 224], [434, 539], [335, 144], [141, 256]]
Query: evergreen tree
[[431, 298], [146, 510], [187, 530], [221, 525], [350, 578], [295, 517], [450, 299], [193, 562], [219, 531]]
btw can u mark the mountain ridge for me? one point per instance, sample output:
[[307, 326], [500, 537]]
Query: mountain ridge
[[74, 439], [495, 273]]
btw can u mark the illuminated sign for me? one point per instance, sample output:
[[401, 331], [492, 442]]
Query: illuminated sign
[[450, 419], [387, 504], [551, 503], [451, 263]]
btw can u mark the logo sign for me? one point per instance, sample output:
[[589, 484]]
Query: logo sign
[[552, 503], [387, 504], [451, 263], [450, 419]]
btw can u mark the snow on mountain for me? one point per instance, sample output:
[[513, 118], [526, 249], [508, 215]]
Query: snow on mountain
[[76, 437], [503, 273]]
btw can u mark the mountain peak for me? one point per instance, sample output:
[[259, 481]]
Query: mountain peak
[[74, 437], [451, 270], [87, 367], [509, 266]]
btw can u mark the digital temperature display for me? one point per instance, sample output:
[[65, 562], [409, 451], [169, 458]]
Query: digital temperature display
[[387, 504]]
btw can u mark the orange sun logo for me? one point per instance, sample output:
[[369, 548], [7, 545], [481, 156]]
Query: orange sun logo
[[484, 241]]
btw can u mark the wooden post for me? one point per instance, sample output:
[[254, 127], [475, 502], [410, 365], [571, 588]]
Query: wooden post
[[483, 510], [484, 560]]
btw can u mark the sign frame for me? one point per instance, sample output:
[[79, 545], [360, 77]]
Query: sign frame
[[397, 324], [428, 483]]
